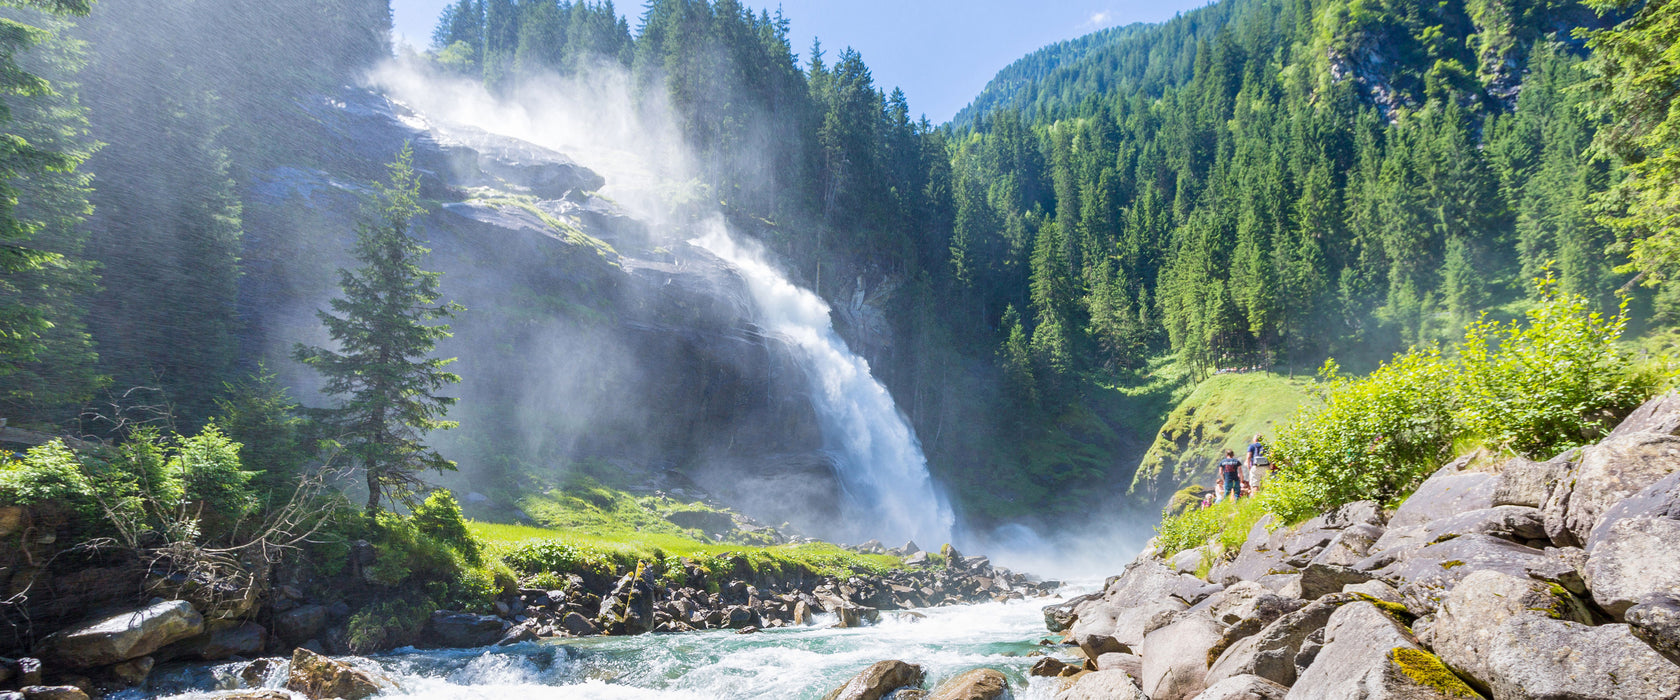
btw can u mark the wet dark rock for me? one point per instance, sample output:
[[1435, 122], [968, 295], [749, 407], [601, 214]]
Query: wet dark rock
[[461, 629], [53, 692], [1053, 667], [300, 624], [317, 676]]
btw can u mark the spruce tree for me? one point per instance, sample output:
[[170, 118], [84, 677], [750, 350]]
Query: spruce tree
[[383, 365]]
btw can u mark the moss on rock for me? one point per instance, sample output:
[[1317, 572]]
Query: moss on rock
[[1427, 670]]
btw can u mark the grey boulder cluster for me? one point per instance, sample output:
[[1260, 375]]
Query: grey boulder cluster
[[631, 606], [1497, 578]]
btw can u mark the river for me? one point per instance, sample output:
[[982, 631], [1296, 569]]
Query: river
[[778, 664]]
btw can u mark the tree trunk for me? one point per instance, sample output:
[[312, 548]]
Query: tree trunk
[[373, 491]]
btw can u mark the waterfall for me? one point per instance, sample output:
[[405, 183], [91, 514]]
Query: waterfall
[[888, 491]]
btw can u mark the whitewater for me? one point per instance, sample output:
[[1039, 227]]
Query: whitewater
[[785, 663]]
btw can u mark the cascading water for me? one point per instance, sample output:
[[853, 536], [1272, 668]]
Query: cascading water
[[889, 493]]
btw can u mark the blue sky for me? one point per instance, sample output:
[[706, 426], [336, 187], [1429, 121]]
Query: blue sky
[[940, 51]]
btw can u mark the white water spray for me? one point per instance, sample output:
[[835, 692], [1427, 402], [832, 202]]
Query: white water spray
[[889, 493]]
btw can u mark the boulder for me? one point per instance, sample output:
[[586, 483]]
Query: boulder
[[53, 692], [880, 679], [462, 629], [1256, 559], [224, 641], [1244, 688], [1519, 524], [1429, 572], [1527, 483], [1470, 624], [801, 613], [1187, 561], [317, 676], [1660, 415], [1608, 472], [257, 673], [1378, 590], [978, 684], [1445, 493], [1058, 617], [1132, 664], [300, 624], [1270, 653], [133, 672], [1175, 662], [1052, 667], [1656, 621], [1144, 591], [1320, 579], [1366, 654], [1539, 657], [1102, 685], [1630, 553], [1350, 545], [122, 637], [577, 625]]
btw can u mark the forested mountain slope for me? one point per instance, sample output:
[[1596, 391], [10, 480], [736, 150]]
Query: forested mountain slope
[[1255, 183]]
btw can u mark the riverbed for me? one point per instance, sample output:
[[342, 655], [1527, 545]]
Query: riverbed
[[777, 663]]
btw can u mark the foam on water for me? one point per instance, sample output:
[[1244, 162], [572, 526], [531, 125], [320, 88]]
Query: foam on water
[[775, 664], [890, 494]]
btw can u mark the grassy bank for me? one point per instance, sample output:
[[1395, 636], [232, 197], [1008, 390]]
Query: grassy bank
[[1222, 412]]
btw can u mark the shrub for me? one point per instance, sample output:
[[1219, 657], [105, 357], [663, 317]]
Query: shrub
[[208, 469], [439, 517], [1376, 437], [47, 472], [1556, 382], [1553, 381]]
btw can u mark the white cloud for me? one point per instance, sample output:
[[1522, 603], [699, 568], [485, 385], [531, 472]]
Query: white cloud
[[1100, 18]]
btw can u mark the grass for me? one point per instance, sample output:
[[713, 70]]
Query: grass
[[1222, 412], [585, 526], [1226, 525], [533, 550]]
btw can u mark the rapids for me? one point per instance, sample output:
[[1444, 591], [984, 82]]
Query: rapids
[[775, 664]]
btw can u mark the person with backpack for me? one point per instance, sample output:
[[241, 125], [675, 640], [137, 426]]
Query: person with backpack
[[1258, 463], [1230, 472]]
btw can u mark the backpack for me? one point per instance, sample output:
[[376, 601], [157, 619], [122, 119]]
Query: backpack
[[1260, 459]]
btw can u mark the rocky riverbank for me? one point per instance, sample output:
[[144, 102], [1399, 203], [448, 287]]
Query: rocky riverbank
[[1499, 578], [121, 649]]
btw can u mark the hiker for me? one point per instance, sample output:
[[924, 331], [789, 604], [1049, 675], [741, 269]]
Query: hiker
[[1230, 472], [1258, 463]]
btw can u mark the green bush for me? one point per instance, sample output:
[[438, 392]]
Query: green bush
[[1556, 382], [1376, 437], [46, 473], [439, 517], [208, 470], [1227, 523]]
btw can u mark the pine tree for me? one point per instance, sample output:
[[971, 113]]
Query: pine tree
[[45, 355], [383, 366]]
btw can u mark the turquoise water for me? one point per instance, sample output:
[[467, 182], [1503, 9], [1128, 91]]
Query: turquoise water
[[779, 663]]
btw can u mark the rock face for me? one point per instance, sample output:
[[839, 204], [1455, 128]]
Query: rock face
[[317, 676], [122, 637], [878, 680], [978, 684]]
